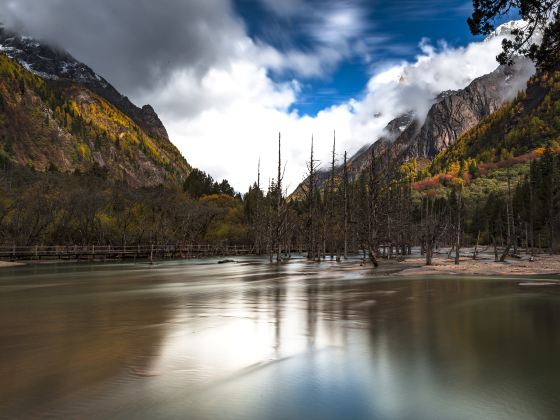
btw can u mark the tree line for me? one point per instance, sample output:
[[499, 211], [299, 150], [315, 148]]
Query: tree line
[[53, 208], [386, 213]]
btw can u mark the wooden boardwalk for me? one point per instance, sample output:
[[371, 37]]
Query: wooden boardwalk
[[107, 252]]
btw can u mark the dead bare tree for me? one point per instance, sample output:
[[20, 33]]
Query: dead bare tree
[[345, 192], [435, 222], [374, 187], [312, 206], [280, 218], [332, 219], [458, 202]]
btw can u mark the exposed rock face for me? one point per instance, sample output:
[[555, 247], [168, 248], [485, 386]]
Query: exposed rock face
[[459, 111], [59, 66], [452, 115], [150, 121], [359, 162], [396, 129]]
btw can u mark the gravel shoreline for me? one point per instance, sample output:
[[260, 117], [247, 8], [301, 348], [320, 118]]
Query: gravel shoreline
[[541, 264], [6, 264]]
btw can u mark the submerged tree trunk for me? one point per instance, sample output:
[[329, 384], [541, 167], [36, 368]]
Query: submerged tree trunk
[[345, 186], [279, 218], [531, 217], [332, 213], [505, 253], [429, 252], [450, 251], [373, 257], [312, 250], [475, 254], [551, 233], [495, 248], [459, 229]]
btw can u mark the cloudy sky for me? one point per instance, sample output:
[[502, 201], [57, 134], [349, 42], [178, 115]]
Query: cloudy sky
[[227, 75]]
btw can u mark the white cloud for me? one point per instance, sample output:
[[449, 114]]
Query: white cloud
[[211, 82], [337, 31], [244, 110]]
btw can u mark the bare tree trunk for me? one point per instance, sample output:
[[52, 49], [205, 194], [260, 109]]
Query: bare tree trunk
[[527, 251], [475, 254], [505, 253], [312, 251], [429, 252], [459, 228], [451, 251], [332, 215], [269, 227], [258, 213], [508, 212], [372, 257], [551, 226], [345, 186], [279, 221], [531, 217]]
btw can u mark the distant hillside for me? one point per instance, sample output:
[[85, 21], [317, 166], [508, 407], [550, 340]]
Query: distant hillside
[[57, 114]]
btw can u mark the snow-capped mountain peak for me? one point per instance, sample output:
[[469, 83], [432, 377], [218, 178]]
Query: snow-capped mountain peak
[[45, 61], [505, 30], [55, 64]]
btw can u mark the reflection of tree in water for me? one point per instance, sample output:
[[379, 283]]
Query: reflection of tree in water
[[252, 298], [311, 292], [472, 337], [277, 297]]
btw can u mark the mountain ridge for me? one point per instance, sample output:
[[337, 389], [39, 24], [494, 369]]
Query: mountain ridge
[[59, 66], [49, 123], [452, 114]]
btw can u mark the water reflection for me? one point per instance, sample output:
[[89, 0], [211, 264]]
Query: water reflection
[[253, 341]]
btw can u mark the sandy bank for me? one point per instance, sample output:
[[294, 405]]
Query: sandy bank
[[542, 264], [6, 264]]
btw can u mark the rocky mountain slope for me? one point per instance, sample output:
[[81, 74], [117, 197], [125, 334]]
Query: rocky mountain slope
[[452, 114], [457, 112], [515, 131], [57, 113], [58, 65]]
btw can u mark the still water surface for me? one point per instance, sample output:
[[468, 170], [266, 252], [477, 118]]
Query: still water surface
[[198, 340]]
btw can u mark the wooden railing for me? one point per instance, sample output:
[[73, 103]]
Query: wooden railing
[[96, 252]]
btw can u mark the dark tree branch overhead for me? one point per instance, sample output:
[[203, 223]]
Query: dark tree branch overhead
[[539, 15]]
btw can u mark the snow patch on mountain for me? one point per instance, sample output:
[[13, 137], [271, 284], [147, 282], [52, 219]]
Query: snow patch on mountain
[[45, 61], [505, 31]]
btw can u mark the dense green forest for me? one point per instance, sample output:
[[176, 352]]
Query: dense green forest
[[88, 208]]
